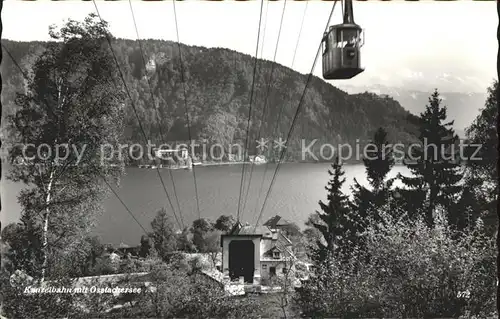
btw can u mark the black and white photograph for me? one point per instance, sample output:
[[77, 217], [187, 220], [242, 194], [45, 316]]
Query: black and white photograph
[[249, 159]]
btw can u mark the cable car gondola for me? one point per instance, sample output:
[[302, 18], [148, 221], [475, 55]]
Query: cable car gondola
[[341, 48]]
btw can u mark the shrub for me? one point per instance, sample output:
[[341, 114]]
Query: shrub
[[18, 304], [407, 270], [181, 295]]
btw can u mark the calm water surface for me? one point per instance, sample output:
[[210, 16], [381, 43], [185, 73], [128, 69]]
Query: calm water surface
[[295, 195]]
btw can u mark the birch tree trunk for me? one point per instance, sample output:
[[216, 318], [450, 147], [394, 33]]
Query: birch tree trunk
[[45, 229], [498, 165]]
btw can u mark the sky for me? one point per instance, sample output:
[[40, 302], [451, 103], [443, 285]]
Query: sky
[[413, 44]]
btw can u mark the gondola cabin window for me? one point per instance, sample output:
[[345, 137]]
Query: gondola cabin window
[[348, 38]]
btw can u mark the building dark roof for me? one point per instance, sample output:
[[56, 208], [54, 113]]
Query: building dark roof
[[250, 230], [265, 230], [276, 221]]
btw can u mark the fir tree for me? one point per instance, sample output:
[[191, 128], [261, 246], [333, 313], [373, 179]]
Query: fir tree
[[333, 221], [479, 198], [436, 171], [378, 163], [163, 234]]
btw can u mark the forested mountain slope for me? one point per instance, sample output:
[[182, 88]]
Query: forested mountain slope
[[218, 85]]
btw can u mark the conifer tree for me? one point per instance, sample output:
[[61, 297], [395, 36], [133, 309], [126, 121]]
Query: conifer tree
[[434, 166], [334, 220], [163, 234], [378, 163], [481, 186]]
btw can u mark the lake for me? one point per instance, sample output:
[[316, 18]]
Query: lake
[[297, 189]]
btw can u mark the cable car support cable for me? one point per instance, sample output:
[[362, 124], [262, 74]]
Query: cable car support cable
[[128, 93], [276, 126], [163, 137], [251, 164], [264, 31], [250, 111], [264, 108], [294, 120], [300, 32], [186, 107], [124, 205]]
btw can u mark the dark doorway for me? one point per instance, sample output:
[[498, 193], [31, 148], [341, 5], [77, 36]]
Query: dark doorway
[[241, 259], [272, 271]]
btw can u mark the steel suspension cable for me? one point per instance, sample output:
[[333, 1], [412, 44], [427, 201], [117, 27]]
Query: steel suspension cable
[[250, 110], [266, 100], [276, 126], [124, 205], [264, 30], [163, 137], [261, 57], [300, 33], [295, 118], [188, 121], [132, 104]]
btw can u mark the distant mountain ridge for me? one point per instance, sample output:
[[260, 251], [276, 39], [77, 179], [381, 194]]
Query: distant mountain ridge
[[218, 85], [463, 107]]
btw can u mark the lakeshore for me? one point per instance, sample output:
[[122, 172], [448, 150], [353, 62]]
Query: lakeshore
[[175, 167], [231, 163]]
